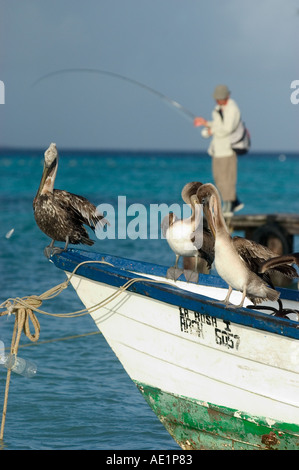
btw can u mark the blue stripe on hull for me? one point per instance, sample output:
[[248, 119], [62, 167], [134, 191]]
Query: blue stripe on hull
[[118, 274]]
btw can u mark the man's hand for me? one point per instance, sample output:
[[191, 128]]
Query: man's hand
[[199, 121]]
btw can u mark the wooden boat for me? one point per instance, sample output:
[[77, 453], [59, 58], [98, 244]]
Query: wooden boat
[[216, 377]]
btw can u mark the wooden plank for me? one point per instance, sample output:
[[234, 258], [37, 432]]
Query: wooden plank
[[290, 222]]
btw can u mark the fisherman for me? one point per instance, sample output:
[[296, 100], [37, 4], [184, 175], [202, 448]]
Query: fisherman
[[226, 118]]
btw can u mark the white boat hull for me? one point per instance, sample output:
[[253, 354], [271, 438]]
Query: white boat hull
[[200, 354]]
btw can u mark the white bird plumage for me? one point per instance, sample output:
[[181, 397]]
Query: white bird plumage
[[187, 237]]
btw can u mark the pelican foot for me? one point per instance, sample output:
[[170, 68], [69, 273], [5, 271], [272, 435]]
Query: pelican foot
[[191, 276], [229, 305], [223, 302], [220, 302], [57, 251], [52, 250], [47, 251], [174, 273]]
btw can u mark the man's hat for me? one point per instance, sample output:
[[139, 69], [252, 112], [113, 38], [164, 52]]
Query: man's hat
[[221, 92]]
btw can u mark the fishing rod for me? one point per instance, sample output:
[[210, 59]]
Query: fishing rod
[[165, 98]]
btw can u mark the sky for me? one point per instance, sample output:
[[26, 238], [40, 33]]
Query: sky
[[181, 49]]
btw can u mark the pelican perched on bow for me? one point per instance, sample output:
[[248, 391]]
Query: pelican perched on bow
[[188, 237], [59, 214], [237, 260]]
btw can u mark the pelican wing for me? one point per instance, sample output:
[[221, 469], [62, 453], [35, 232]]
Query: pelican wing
[[273, 263], [80, 208], [255, 255]]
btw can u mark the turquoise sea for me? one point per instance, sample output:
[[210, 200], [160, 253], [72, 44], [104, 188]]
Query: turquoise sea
[[81, 398]]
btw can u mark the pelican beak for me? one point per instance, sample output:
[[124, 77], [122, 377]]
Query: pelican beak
[[209, 216], [48, 177], [206, 204], [42, 181], [211, 223], [212, 214]]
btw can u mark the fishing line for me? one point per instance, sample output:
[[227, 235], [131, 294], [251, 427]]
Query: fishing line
[[160, 95]]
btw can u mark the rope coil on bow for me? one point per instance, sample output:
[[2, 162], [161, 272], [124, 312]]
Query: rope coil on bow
[[22, 318], [23, 315], [24, 308]]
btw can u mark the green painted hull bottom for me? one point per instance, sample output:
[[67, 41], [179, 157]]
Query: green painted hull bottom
[[196, 425]]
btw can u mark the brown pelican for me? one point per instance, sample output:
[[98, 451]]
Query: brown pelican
[[237, 260], [274, 263], [188, 237], [60, 214]]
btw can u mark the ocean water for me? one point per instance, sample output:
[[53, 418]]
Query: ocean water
[[81, 398]]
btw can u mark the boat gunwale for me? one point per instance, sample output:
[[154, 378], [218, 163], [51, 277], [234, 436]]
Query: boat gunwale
[[116, 276]]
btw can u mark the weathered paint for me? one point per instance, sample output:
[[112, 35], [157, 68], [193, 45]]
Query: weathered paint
[[204, 426]]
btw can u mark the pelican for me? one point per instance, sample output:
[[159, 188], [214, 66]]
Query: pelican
[[274, 263], [59, 214], [237, 260], [187, 237]]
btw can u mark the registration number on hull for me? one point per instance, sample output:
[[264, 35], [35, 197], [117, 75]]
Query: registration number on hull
[[202, 325]]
